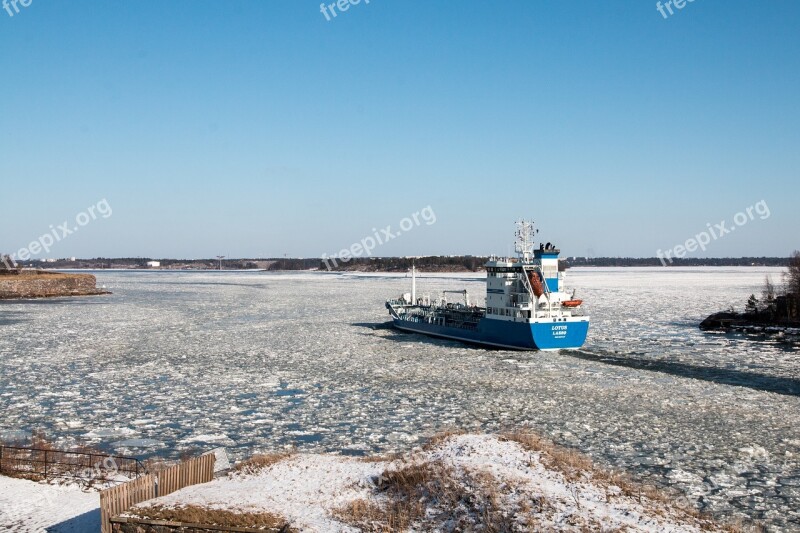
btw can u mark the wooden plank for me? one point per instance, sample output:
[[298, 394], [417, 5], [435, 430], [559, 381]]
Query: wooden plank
[[117, 500], [105, 525]]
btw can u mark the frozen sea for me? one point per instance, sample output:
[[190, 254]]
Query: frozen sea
[[253, 361]]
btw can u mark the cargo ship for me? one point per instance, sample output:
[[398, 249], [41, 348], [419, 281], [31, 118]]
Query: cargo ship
[[527, 306]]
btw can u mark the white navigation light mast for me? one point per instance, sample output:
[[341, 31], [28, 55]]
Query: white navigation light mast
[[524, 242], [413, 284], [220, 258]]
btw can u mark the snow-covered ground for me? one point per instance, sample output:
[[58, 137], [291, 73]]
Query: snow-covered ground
[[261, 361], [31, 507], [307, 490]]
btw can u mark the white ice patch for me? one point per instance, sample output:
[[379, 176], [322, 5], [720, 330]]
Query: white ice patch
[[207, 438], [138, 443], [109, 432]]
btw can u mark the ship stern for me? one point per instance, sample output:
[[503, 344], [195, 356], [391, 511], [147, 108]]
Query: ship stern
[[563, 335]]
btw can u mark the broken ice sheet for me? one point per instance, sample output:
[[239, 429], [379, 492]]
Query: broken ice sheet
[[260, 361]]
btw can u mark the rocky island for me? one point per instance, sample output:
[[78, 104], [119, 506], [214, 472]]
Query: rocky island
[[775, 312], [16, 284]]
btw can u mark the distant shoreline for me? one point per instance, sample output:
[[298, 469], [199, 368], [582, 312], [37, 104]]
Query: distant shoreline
[[461, 264], [421, 271]]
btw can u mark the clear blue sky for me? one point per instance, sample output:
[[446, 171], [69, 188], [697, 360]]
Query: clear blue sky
[[258, 128]]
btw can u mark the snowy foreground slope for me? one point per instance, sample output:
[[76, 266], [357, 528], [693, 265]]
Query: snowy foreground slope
[[468, 477], [31, 507]]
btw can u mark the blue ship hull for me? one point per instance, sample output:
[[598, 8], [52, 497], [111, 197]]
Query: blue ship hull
[[507, 334]]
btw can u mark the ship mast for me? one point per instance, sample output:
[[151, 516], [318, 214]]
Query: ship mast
[[524, 242], [413, 284]]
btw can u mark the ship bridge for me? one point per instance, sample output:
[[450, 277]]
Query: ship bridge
[[527, 287]]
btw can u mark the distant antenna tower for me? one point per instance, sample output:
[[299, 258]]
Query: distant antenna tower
[[525, 236], [220, 258]]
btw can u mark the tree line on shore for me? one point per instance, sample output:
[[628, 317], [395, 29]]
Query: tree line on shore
[[686, 261], [778, 303], [469, 263], [463, 263]]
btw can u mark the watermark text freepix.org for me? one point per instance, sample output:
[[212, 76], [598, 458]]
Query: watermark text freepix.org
[[329, 10], [366, 245], [59, 232], [667, 6], [714, 232], [8, 5]]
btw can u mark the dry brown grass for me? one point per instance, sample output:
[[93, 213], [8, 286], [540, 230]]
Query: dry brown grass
[[21, 474], [262, 461], [33, 275], [23, 464], [387, 458], [153, 465], [406, 495], [191, 514], [442, 436], [370, 516], [42, 274], [62, 464], [405, 504], [572, 464], [426, 495], [577, 467]]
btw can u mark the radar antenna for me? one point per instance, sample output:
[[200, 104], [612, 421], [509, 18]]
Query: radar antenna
[[524, 241]]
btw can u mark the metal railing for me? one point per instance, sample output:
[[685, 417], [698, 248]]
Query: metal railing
[[47, 463]]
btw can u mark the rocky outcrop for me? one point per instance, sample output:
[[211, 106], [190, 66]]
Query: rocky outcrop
[[751, 324], [780, 315], [724, 320], [38, 284]]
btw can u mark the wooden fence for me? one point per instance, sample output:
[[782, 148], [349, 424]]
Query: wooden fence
[[119, 499], [197, 470]]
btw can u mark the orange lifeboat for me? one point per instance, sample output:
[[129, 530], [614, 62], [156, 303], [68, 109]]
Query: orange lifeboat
[[572, 303], [536, 283]]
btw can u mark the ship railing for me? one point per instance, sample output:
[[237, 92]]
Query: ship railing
[[526, 282]]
